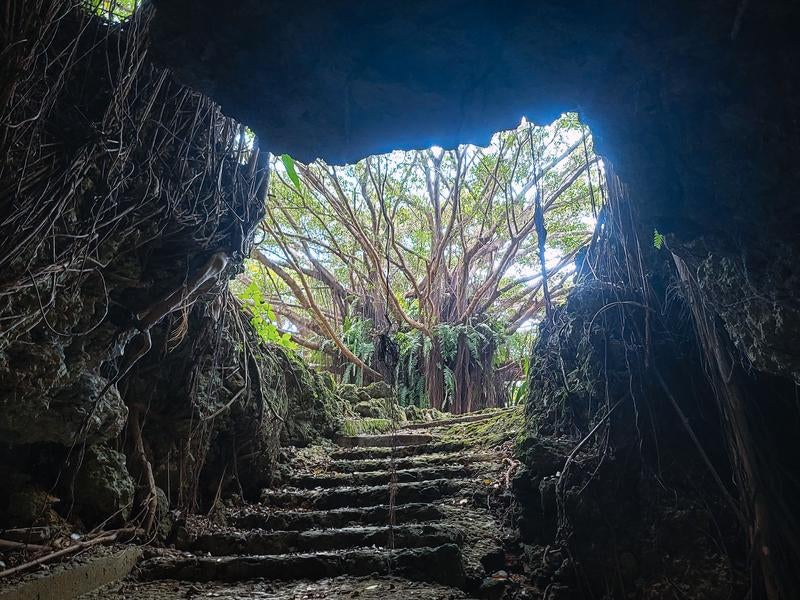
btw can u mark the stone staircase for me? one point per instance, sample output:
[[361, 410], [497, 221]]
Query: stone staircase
[[326, 532]]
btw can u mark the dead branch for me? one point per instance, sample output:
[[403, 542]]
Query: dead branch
[[107, 538]]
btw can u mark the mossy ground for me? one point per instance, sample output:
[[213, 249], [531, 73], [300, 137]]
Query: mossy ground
[[506, 425], [359, 426]]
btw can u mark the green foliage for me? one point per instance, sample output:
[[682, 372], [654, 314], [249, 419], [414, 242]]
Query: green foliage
[[291, 171], [519, 389], [447, 336], [357, 335], [112, 10], [449, 386], [658, 239], [263, 318], [480, 339], [413, 347], [349, 244]]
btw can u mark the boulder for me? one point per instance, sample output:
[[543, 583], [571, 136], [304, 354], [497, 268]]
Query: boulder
[[379, 389], [348, 392], [376, 408]]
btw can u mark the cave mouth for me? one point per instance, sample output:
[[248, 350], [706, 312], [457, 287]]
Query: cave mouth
[[428, 269], [654, 451]]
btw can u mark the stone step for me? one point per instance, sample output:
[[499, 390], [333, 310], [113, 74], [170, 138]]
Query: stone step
[[401, 452], [411, 462], [262, 518], [339, 588], [384, 440], [454, 421], [439, 565], [361, 496], [320, 540], [382, 477]]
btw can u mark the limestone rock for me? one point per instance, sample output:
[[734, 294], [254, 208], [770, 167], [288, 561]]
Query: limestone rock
[[348, 392], [104, 486], [377, 408], [78, 412], [379, 389]]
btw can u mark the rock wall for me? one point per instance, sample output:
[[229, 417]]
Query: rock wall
[[127, 202]]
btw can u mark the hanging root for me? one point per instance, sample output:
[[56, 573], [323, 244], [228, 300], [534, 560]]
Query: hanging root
[[213, 267], [146, 469], [200, 283]]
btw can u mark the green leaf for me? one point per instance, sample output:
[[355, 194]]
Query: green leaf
[[658, 239], [288, 162]]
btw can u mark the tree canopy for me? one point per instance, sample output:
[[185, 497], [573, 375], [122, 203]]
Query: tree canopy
[[425, 267]]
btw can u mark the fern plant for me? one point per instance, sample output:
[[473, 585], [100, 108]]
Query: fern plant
[[357, 336], [519, 389]]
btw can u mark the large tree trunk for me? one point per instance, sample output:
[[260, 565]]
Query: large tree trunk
[[474, 381], [434, 376]]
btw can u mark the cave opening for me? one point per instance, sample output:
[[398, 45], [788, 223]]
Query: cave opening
[[424, 268]]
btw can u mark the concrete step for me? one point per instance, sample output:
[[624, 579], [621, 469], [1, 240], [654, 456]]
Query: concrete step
[[275, 520], [401, 452], [382, 477], [319, 540], [411, 462], [73, 578], [361, 496], [440, 565]]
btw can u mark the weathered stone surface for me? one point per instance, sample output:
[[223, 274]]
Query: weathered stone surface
[[339, 588], [425, 491], [753, 305], [105, 487], [313, 408], [31, 505], [70, 581], [88, 409], [378, 408], [269, 519], [440, 564], [328, 480], [379, 389], [348, 81], [386, 440], [315, 540], [360, 465], [435, 447]]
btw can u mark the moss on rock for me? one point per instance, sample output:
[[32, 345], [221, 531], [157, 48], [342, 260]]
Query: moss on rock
[[379, 389], [505, 425], [380, 408], [415, 413], [314, 410], [356, 426]]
